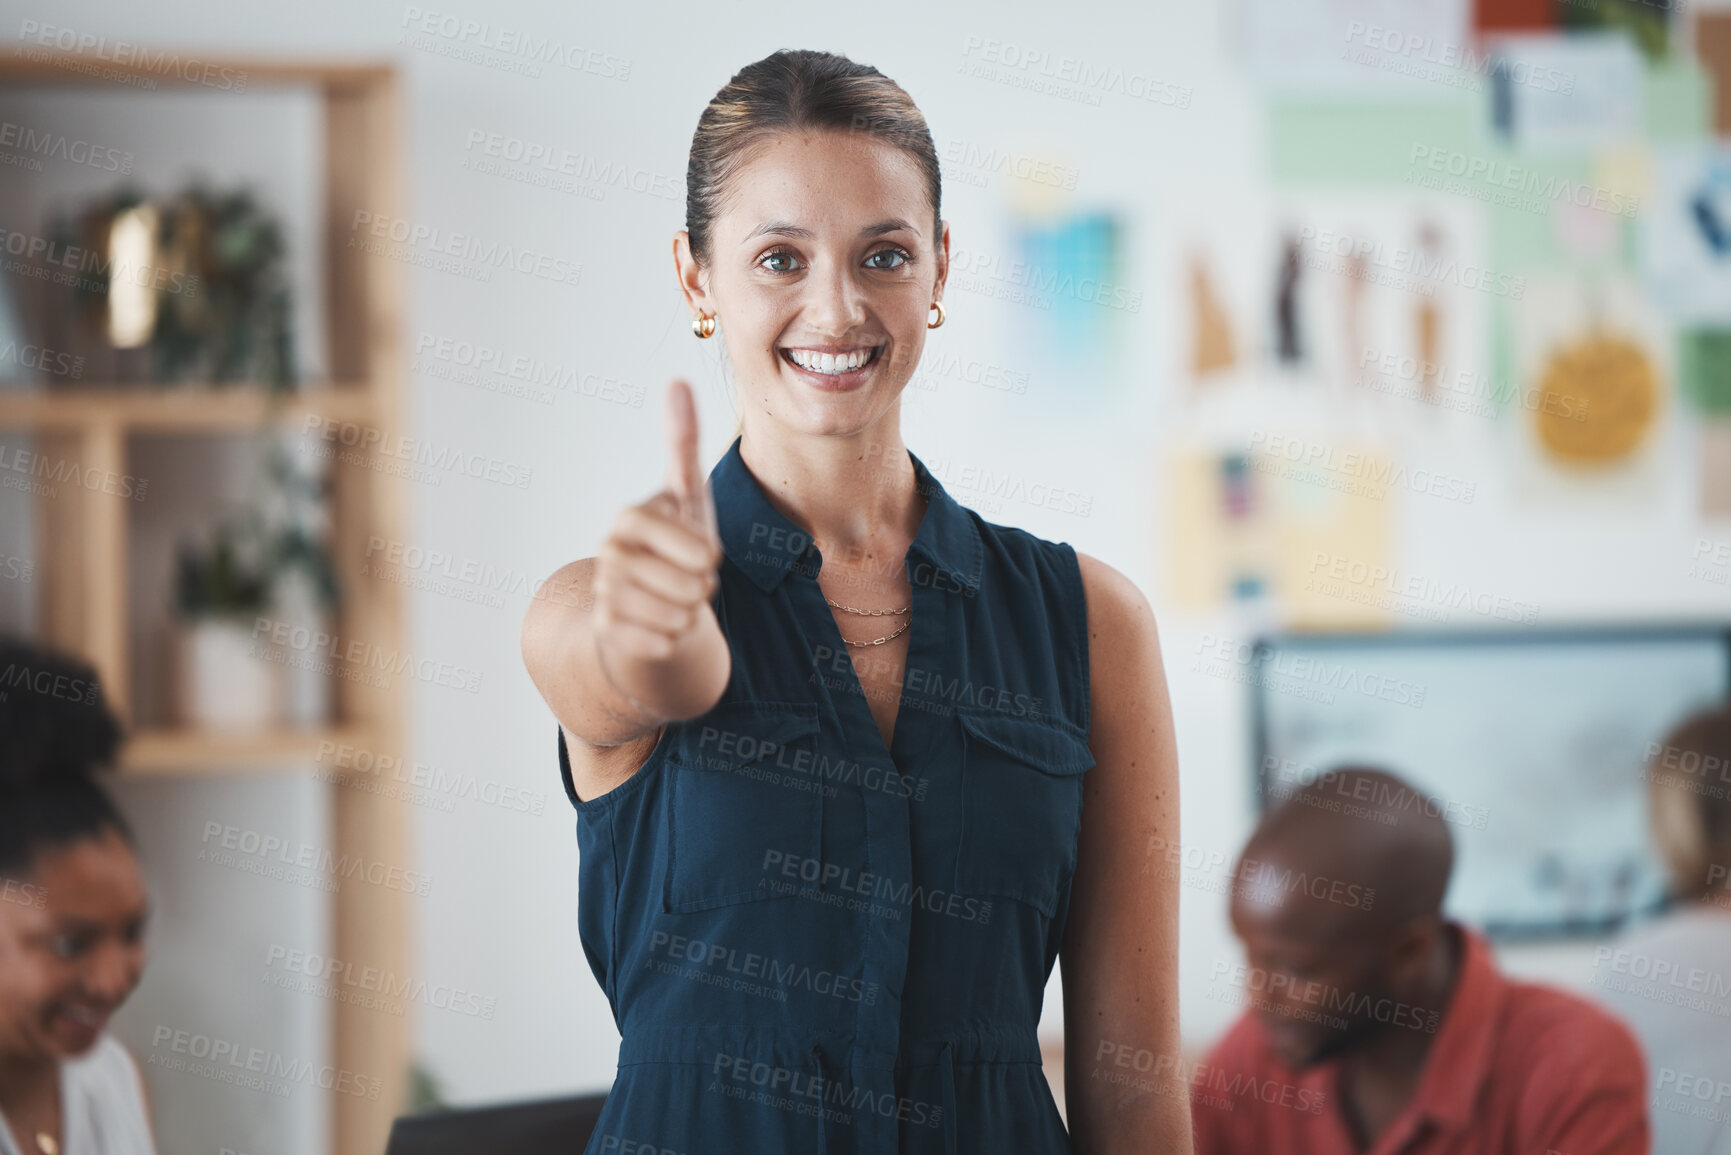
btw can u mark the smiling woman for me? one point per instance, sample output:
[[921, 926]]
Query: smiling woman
[[856, 165], [72, 914], [825, 876]]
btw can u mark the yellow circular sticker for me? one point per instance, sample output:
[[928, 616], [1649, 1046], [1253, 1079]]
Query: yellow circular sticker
[[1615, 392]]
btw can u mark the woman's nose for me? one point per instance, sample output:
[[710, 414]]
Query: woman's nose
[[112, 972], [834, 303]]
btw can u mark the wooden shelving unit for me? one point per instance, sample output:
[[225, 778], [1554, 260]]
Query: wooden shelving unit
[[192, 409], [182, 752], [82, 550]]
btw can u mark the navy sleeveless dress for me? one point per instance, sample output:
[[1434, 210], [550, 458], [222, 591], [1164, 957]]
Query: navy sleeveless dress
[[816, 945]]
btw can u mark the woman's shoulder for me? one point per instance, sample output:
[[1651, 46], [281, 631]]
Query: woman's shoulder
[[1102, 583], [107, 1077], [1022, 550], [1120, 618], [1101, 596], [106, 1056], [1685, 934], [1111, 589]]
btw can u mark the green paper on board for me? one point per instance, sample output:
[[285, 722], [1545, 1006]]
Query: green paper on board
[[1502, 358], [1311, 142], [1704, 369], [1679, 102]]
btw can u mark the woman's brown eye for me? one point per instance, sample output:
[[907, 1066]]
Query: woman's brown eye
[[778, 256], [901, 258]]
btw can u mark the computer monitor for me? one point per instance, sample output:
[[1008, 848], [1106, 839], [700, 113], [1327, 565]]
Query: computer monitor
[[1530, 743], [539, 1127]]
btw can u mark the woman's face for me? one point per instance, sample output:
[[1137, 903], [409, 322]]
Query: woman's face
[[822, 274], [71, 946]]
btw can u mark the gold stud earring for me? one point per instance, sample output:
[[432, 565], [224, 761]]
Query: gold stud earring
[[939, 306], [703, 326]]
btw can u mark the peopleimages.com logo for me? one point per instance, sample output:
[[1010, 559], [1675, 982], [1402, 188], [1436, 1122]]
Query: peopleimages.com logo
[[83, 49], [1414, 269], [1443, 61]]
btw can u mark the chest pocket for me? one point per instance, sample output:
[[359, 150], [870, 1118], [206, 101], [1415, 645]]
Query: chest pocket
[[1021, 807], [744, 789]]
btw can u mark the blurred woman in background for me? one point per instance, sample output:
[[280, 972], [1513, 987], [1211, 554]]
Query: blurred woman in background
[[1669, 977], [72, 913]]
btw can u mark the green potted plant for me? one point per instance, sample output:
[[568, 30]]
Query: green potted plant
[[251, 592], [226, 676]]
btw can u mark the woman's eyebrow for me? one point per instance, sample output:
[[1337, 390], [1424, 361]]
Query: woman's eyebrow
[[789, 229], [888, 227], [74, 925]]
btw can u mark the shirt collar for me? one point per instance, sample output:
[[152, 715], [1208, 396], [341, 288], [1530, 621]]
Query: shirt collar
[[767, 545], [1460, 1060]]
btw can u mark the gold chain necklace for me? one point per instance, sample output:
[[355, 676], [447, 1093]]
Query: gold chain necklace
[[876, 614], [871, 613], [885, 638]]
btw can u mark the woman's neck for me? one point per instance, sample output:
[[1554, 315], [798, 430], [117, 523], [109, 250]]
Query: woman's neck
[[856, 496], [26, 1080]]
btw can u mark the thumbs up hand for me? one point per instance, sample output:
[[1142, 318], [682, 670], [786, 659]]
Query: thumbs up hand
[[685, 478], [657, 571]]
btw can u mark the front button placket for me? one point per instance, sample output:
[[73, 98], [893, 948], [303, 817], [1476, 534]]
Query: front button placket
[[888, 854]]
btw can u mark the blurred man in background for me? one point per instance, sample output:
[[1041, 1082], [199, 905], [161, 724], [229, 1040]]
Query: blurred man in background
[[1377, 1025]]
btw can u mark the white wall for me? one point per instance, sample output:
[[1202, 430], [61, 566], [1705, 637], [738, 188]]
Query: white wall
[[501, 920]]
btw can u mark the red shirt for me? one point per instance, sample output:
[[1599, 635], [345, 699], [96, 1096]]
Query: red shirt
[[1515, 1069]]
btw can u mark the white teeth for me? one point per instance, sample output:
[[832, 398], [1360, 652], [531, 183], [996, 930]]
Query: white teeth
[[830, 362]]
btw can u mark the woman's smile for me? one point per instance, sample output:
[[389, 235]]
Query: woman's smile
[[832, 367], [81, 1022]]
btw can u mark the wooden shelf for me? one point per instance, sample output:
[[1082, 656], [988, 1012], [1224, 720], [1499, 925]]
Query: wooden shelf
[[83, 584], [32, 64], [178, 409], [168, 751]]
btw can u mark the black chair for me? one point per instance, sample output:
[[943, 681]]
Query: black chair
[[542, 1127]]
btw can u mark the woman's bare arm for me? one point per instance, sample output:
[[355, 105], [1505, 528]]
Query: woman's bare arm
[[621, 643], [1120, 948], [607, 735]]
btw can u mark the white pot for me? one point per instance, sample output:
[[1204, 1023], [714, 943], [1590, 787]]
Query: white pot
[[306, 683], [224, 678]]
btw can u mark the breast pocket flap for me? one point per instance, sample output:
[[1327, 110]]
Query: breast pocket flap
[[738, 735], [743, 786], [1043, 745], [1021, 808]]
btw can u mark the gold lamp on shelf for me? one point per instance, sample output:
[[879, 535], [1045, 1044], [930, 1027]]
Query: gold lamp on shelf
[[131, 308], [190, 288]]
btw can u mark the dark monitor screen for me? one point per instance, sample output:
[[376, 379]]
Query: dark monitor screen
[[1531, 744], [540, 1127]]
